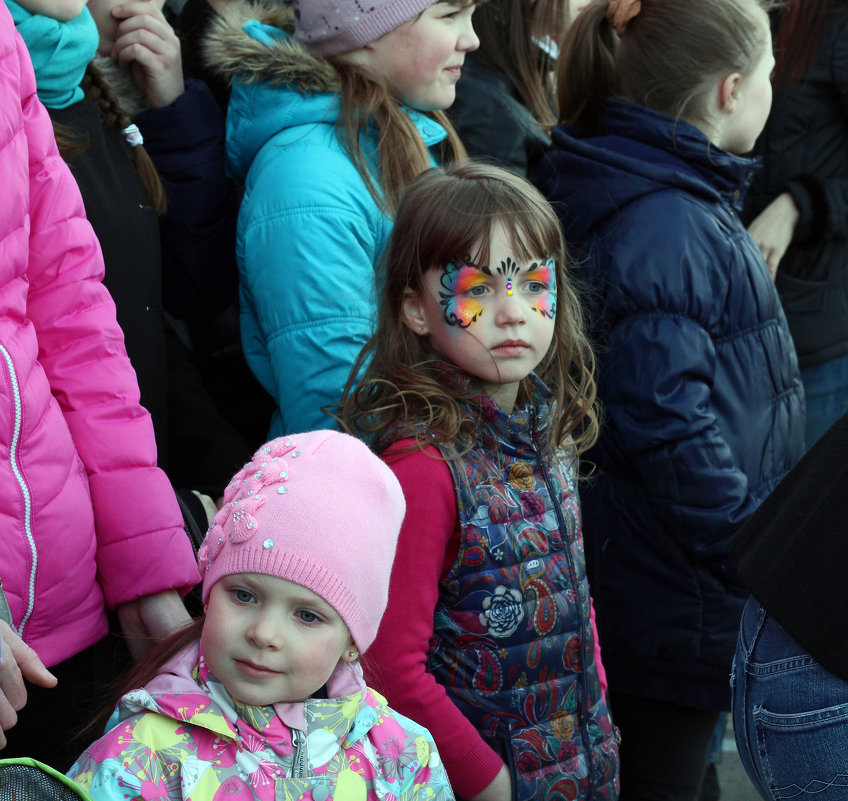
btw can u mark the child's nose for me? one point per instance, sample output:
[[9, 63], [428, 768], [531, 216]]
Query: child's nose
[[468, 39], [265, 632], [511, 310]]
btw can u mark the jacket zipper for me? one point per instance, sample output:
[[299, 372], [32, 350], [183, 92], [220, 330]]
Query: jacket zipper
[[13, 461], [300, 761], [584, 690]]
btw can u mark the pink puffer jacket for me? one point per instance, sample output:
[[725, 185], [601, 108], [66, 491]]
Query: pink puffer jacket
[[86, 518]]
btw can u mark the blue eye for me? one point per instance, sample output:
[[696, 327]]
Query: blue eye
[[243, 596], [536, 287], [308, 617], [477, 291]]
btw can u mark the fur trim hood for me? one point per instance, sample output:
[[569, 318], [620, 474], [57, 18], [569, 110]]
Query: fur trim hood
[[275, 58], [277, 86]]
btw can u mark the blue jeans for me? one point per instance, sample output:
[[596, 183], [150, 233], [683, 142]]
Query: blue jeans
[[789, 713], [826, 392]]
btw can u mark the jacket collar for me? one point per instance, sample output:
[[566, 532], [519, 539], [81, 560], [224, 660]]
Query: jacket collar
[[185, 690], [684, 145], [636, 153], [513, 433]]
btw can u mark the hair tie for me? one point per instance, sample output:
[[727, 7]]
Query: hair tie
[[133, 136], [620, 12]]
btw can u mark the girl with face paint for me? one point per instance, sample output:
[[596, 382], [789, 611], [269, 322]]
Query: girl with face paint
[[488, 604]]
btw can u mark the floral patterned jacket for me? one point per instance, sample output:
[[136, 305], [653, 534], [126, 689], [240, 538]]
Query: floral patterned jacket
[[513, 642], [184, 738]]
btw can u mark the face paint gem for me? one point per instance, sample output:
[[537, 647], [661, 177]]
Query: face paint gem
[[509, 286]]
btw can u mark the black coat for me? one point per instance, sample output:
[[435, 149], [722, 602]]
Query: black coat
[[181, 262], [493, 123], [804, 149], [793, 550]]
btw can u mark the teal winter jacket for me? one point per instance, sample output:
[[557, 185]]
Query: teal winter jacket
[[310, 235]]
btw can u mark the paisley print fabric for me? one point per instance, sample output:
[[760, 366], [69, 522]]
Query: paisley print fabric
[[513, 641], [185, 738]]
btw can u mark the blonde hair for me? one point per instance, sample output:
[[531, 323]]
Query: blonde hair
[[446, 214], [664, 60]]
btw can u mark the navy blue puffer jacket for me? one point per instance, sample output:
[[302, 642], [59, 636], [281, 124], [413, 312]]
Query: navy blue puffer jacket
[[698, 375]]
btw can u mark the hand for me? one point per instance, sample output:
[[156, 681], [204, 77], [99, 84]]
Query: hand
[[17, 662], [500, 788], [773, 229], [150, 619], [145, 41]]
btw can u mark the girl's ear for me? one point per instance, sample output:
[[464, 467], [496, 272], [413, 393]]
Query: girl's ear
[[728, 92], [350, 654], [412, 312]]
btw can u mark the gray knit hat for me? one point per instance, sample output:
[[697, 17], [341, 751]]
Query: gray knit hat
[[329, 27]]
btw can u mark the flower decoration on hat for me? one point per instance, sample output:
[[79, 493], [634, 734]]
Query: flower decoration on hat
[[236, 522]]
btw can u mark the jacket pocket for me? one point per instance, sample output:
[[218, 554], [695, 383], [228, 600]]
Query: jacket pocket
[[502, 744], [799, 296]]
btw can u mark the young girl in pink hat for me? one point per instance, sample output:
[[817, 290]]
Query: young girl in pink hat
[[264, 695]]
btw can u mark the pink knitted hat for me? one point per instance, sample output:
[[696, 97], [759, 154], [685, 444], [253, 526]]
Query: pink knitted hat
[[318, 509], [328, 27]]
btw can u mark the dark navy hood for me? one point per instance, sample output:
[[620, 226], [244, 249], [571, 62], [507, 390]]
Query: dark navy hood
[[636, 152]]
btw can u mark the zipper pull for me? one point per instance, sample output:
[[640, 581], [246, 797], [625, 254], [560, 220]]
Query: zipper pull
[[300, 761]]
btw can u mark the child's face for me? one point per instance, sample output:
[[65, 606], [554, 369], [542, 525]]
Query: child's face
[[495, 320], [268, 640], [421, 60]]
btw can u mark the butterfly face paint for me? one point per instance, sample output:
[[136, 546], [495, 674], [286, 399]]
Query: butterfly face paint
[[544, 273], [508, 268], [495, 321], [462, 288]]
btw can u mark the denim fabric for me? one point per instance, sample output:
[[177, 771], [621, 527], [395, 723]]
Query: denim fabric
[[789, 713], [826, 390]]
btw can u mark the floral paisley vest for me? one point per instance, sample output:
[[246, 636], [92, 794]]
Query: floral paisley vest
[[513, 642]]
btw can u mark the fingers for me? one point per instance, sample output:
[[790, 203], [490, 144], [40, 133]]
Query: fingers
[[19, 662], [142, 8], [12, 690], [148, 32], [150, 45], [30, 665], [142, 23], [8, 718]]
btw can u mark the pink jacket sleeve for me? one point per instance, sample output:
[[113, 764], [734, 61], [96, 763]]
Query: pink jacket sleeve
[[141, 545], [397, 660]]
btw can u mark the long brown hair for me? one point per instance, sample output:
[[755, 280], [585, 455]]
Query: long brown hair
[[445, 214], [401, 152], [664, 60], [507, 30], [798, 38], [98, 90]]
